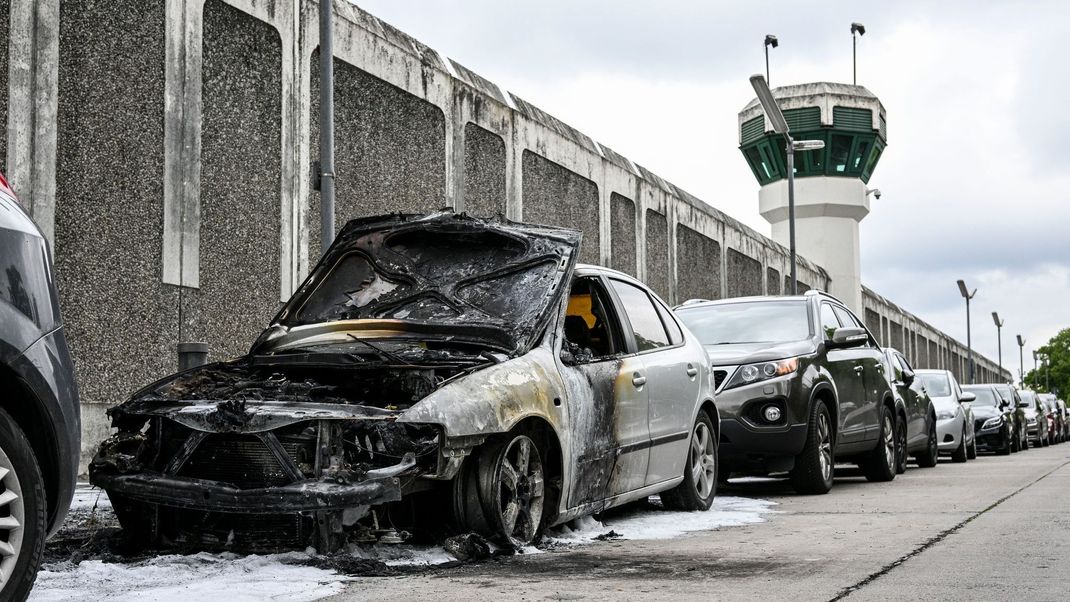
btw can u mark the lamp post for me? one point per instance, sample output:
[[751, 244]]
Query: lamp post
[[1021, 360], [966, 294], [861, 31], [770, 40], [780, 126], [999, 338]]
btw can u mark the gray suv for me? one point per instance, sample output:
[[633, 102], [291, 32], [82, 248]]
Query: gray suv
[[39, 419], [800, 385]]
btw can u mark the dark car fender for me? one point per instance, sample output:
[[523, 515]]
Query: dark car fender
[[822, 383]]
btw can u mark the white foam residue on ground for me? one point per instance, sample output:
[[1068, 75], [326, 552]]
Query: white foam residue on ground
[[184, 578], [402, 555], [727, 511], [86, 497]]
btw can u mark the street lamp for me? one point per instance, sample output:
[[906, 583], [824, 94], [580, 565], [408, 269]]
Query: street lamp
[[860, 30], [999, 339], [770, 40], [966, 294], [1021, 361], [780, 126]]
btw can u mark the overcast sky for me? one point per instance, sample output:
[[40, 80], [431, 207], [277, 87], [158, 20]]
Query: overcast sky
[[976, 174]]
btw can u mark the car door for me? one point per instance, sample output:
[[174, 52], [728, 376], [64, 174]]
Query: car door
[[607, 396], [917, 405], [846, 371], [871, 367], [672, 378]]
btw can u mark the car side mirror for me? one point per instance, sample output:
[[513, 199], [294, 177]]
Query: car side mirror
[[1004, 404], [967, 397], [848, 337], [908, 377]]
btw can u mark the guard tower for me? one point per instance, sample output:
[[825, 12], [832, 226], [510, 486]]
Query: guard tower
[[830, 184]]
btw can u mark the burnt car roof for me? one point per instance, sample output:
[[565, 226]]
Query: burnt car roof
[[492, 280]]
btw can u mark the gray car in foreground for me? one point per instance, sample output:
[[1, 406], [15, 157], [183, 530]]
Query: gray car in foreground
[[433, 368], [800, 386], [954, 417], [39, 419]]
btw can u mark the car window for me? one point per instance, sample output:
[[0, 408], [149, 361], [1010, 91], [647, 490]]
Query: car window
[[676, 336], [591, 329], [646, 323], [829, 322], [897, 369], [845, 317], [936, 384], [903, 363]]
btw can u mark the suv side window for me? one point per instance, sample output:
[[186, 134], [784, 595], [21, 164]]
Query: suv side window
[[646, 323], [849, 320], [897, 368], [591, 329], [829, 322]]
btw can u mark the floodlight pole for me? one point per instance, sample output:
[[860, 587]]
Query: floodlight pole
[[966, 294], [999, 339], [1021, 361], [326, 174]]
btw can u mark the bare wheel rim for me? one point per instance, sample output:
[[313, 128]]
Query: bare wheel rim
[[889, 442], [703, 460], [520, 490], [824, 447], [12, 518]]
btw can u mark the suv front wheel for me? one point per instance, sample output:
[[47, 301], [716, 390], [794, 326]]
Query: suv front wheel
[[814, 467], [22, 512], [880, 465]]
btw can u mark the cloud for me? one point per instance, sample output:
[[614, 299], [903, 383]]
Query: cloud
[[973, 178]]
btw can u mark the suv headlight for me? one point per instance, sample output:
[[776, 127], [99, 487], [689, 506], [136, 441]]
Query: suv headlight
[[752, 373], [945, 414], [992, 423]]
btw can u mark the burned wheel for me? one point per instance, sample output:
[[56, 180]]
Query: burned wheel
[[512, 488], [22, 512]]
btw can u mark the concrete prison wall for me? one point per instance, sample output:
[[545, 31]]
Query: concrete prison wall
[[164, 146]]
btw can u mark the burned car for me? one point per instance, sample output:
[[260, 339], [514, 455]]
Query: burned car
[[430, 366]]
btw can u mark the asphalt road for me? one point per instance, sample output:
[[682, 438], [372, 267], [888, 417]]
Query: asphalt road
[[996, 528]]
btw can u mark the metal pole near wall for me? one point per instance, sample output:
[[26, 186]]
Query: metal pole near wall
[[326, 175]]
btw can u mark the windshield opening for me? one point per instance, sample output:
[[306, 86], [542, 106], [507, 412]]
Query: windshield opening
[[751, 322], [936, 385]]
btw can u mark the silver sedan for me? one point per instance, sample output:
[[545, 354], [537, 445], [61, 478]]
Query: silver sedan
[[954, 418]]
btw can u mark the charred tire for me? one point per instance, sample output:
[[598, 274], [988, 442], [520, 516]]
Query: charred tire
[[699, 487], [879, 465], [959, 455], [901, 446], [814, 467], [930, 456], [501, 493], [971, 451], [23, 508]]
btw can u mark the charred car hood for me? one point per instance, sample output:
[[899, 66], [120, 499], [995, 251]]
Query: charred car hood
[[493, 281], [748, 353]]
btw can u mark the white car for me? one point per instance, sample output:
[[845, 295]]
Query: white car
[[954, 418]]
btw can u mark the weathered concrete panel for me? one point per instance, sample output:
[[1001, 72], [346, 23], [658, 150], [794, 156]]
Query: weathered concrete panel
[[802, 287], [922, 356], [772, 278], [744, 275], [873, 323], [122, 322], [622, 233], [897, 335], [657, 253], [389, 149], [484, 172], [5, 40], [698, 261], [556, 196], [240, 173]]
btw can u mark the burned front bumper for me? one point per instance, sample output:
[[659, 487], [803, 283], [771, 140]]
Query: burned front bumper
[[207, 473], [308, 495]]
